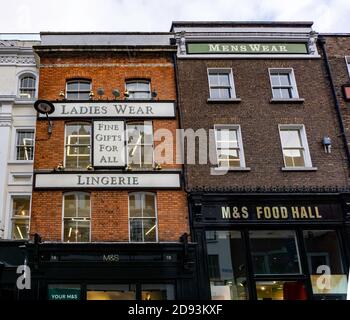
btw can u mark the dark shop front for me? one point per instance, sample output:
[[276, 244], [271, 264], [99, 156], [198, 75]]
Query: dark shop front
[[110, 271], [271, 246]]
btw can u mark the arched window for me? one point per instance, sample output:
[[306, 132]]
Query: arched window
[[78, 89], [138, 89], [76, 217], [143, 217], [78, 145], [27, 86]]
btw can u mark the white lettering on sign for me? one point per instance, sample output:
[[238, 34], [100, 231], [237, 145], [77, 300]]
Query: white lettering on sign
[[109, 144], [113, 109], [103, 180]]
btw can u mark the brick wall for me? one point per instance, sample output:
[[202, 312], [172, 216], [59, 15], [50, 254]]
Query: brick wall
[[109, 215], [109, 209], [259, 121]]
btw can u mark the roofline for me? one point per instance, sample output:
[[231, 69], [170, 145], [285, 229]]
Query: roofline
[[234, 23], [102, 33]]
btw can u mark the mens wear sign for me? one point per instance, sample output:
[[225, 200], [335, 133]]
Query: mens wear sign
[[247, 48], [109, 144], [107, 180], [113, 109]]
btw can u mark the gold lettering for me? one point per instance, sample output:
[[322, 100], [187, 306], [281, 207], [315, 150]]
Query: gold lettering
[[226, 213], [267, 213], [303, 213], [258, 212], [275, 212], [245, 213], [295, 212], [311, 215], [284, 213], [318, 216]]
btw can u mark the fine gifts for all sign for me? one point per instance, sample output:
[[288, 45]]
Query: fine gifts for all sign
[[109, 144]]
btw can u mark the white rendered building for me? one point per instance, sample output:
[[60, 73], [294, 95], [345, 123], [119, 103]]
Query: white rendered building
[[18, 91]]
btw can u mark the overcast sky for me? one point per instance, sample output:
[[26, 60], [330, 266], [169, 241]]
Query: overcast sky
[[157, 15]]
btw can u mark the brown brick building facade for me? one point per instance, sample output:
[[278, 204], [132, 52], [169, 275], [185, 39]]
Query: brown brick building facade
[[268, 207]]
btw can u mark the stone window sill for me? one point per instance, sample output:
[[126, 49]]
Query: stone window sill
[[232, 169], [233, 100], [299, 169], [294, 100]]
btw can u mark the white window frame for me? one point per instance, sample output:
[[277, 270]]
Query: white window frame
[[65, 139], [294, 86], [20, 76], [145, 81], [305, 145], [62, 216], [13, 154], [156, 215], [347, 61], [231, 79], [236, 127], [77, 80], [131, 123], [9, 223]]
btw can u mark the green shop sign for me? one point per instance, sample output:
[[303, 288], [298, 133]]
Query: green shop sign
[[64, 294], [247, 48]]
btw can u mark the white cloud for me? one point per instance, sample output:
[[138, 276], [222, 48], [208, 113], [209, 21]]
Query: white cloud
[[157, 15]]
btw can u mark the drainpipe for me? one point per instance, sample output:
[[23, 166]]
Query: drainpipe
[[322, 42]]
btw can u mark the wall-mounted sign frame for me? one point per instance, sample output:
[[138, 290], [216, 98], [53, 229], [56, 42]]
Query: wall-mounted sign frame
[[108, 144], [246, 48], [107, 180], [112, 109]]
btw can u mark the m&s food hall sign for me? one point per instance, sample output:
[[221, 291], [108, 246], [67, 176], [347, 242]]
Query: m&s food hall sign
[[272, 213]]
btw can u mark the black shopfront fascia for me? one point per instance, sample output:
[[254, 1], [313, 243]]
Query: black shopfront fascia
[[84, 264], [206, 215]]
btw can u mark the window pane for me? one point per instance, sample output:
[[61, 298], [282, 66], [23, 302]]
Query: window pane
[[284, 79], [286, 93], [323, 252], [136, 230], [134, 156], [274, 252], [84, 86], [20, 206], [227, 265], [84, 96], [149, 209], [214, 93], [73, 86], [147, 156], [281, 290], [70, 208], [135, 205], [150, 229], [290, 138], [294, 158], [225, 93], [213, 79], [83, 205], [76, 231], [277, 94], [20, 229], [275, 79], [226, 135], [224, 79]]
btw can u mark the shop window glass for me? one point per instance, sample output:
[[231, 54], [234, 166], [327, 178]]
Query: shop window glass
[[325, 262], [281, 290], [157, 292], [274, 252], [227, 265], [111, 292]]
